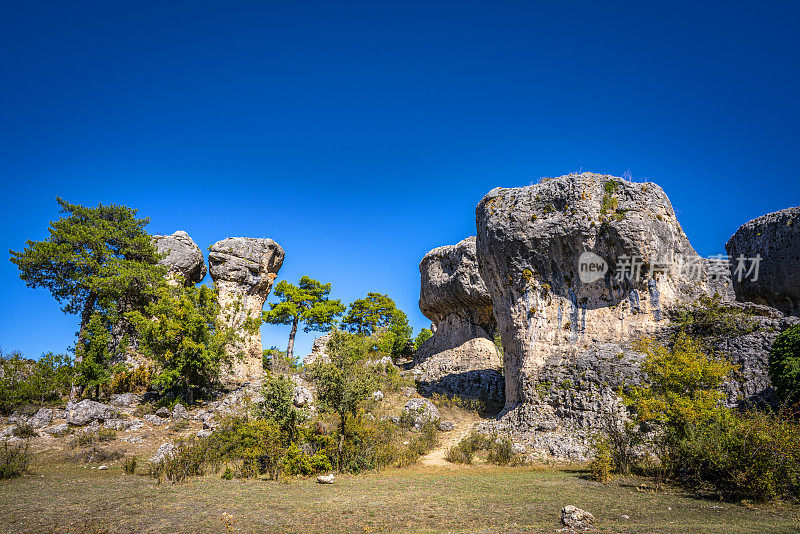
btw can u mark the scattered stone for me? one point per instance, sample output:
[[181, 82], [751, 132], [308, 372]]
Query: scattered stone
[[164, 452], [326, 479], [118, 424], [180, 412], [130, 400], [377, 396], [102, 468], [155, 420], [163, 412], [446, 426], [88, 411], [408, 391], [42, 418], [204, 433], [301, 396], [57, 430], [577, 519], [419, 411]]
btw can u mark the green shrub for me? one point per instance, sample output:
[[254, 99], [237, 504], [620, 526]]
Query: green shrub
[[189, 458], [96, 455], [501, 452], [711, 318], [14, 460], [24, 381], [464, 451], [179, 425], [227, 474], [23, 430], [602, 464], [297, 462], [784, 364], [92, 436], [129, 465]]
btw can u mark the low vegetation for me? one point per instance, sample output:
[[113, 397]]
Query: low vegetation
[[14, 460], [500, 450]]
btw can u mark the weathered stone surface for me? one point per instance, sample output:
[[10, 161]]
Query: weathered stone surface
[[164, 452], [163, 412], [179, 411], [577, 519], [775, 237], [183, 257], [301, 396], [449, 280], [126, 399], [326, 479], [319, 350], [57, 430], [529, 243], [42, 418], [244, 269], [455, 298], [155, 420], [88, 411], [418, 411]]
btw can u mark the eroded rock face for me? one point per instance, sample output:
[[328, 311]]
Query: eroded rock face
[[548, 308], [184, 258], [775, 237], [244, 269], [455, 298]]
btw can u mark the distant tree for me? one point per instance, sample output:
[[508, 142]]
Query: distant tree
[[182, 333], [96, 261], [378, 314], [306, 303], [784, 364], [423, 335]]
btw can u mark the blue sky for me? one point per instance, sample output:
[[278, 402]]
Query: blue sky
[[361, 135]]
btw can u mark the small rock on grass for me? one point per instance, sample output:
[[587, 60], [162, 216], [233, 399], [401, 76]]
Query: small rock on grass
[[577, 519], [325, 479]]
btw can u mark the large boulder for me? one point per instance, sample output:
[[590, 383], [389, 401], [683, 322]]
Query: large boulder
[[576, 261], [319, 350], [244, 269], [184, 259], [455, 298], [87, 411], [775, 239]]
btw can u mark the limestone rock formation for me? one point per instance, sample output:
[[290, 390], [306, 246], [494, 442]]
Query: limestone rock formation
[[244, 269], [319, 350], [577, 261], [184, 257], [454, 297], [775, 237]]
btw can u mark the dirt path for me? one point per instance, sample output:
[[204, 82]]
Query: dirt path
[[464, 424]]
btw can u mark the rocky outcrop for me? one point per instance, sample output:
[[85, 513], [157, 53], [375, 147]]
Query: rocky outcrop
[[87, 411], [319, 350], [775, 239], [183, 259], [244, 269], [455, 298], [575, 261]]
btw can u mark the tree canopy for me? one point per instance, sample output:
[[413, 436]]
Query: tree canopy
[[306, 303], [378, 314]]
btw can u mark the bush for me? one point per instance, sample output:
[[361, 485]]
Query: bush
[[97, 455], [188, 458], [24, 381], [464, 451], [784, 364], [703, 445], [92, 436], [179, 425], [23, 430], [125, 379], [709, 317], [602, 463], [129, 465], [14, 460], [501, 452]]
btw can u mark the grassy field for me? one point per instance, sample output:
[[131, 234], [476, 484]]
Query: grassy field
[[68, 498]]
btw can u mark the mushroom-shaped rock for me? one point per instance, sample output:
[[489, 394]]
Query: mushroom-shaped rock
[[765, 261], [244, 268], [453, 296], [183, 257], [578, 260]]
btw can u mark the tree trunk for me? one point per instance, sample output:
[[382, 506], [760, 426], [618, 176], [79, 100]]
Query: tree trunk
[[290, 348], [88, 307]]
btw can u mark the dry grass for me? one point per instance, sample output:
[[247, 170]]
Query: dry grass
[[467, 499]]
